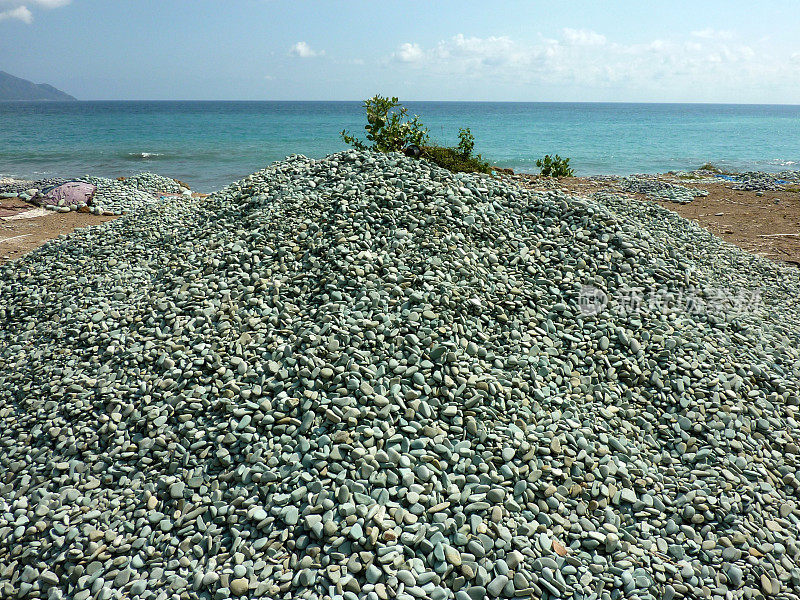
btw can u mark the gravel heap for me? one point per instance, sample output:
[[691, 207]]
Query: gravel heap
[[765, 182], [367, 377], [121, 197], [758, 181], [29, 188], [113, 197], [660, 190], [604, 178], [154, 184], [700, 176]]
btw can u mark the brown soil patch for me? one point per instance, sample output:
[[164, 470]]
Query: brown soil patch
[[20, 236], [767, 225], [12, 208]]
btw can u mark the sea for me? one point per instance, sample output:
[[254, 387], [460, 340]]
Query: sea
[[210, 144]]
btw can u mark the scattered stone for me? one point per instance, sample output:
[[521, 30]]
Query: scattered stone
[[655, 189]]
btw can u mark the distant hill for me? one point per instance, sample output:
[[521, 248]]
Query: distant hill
[[13, 89]]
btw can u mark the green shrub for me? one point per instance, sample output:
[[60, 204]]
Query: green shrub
[[715, 169], [388, 127], [555, 166], [460, 158], [466, 142], [453, 159]]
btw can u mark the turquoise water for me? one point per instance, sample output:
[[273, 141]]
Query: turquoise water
[[209, 144]]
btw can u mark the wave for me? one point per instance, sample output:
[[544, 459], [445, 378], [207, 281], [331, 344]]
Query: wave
[[144, 155], [178, 154], [773, 165]]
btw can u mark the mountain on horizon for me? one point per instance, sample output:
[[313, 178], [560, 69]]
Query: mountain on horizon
[[17, 89]]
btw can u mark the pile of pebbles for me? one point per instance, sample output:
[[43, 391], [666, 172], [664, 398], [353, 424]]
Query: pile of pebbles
[[27, 190], [367, 377], [155, 184], [113, 197], [696, 177], [765, 182], [655, 189], [758, 181]]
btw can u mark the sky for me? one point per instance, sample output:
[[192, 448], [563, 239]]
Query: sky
[[732, 51]]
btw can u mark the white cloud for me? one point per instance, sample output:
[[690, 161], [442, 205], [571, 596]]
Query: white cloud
[[587, 60], [303, 50], [409, 53], [21, 13], [582, 37], [462, 53], [476, 52], [713, 34]]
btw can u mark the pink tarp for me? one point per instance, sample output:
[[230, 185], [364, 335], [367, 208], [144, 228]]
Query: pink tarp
[[70, 194]]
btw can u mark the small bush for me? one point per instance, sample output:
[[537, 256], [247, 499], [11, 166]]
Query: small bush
[[389, 128], [466, 142], [453, 159], [715, 169], [555, 166]]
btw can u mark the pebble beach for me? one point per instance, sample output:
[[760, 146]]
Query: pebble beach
[[366, 377]]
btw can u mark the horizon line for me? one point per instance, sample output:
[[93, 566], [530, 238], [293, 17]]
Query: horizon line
[[694, 102]]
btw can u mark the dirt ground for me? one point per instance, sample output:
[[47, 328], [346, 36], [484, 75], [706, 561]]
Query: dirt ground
[[766, 225], [19, 235], [24, 227]]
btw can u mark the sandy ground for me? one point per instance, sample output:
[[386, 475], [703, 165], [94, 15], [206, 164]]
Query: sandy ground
[[20, 235], [24, 227], [767, 225]]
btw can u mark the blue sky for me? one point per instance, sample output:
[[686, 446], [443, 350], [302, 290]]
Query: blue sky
[[622, 50]]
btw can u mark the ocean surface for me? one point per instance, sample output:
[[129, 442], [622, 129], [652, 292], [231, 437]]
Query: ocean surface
[[210, 144]]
